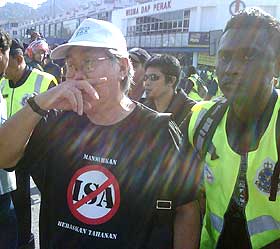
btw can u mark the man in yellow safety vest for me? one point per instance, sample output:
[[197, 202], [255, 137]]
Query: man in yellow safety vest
[[20, 83], [241, 172]]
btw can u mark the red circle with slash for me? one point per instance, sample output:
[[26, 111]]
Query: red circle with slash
[[81, 209]]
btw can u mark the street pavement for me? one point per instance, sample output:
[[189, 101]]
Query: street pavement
[[35, 206]]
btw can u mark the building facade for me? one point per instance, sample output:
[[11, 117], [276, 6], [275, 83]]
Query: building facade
[[188, 29], [11, 27], [59, 28]]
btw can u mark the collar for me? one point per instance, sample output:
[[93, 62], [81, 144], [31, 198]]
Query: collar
[[22, 80]]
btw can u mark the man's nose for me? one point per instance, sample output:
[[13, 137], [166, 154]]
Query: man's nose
[[232, 67], [79, 74]]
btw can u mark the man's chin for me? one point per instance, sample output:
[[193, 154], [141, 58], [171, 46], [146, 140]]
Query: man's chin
[[236, 98]]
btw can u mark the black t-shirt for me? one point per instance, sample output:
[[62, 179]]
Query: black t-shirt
[[100, 184]]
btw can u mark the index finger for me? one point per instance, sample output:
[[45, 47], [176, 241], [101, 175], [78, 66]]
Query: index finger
[[88, 88]]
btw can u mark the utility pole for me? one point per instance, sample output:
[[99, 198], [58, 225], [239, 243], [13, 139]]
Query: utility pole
[[53, 8], [52, 3]]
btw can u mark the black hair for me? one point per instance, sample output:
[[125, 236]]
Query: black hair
[[256, 18], [16, 52], [17, 48], [5, 40], [168, 65], [139, 54], [191, 70]]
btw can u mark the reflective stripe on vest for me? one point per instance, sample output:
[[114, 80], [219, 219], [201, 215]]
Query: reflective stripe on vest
[[216, 222], [200, 117], [2, 85], [262, 224], [38, 83]]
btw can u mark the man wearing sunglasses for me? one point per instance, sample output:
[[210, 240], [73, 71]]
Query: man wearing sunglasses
[[138, 57], [162, 74], [107, 167]]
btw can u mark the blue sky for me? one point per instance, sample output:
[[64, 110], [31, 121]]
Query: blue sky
[[32, 3]]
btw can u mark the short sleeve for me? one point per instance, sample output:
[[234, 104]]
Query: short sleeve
[[39, 144]]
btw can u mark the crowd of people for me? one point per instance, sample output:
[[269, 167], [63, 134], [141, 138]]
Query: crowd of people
[[130, 152]]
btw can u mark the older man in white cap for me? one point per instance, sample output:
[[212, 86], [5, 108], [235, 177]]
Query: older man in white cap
[[109, 170]]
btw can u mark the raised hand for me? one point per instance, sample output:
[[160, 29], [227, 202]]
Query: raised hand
[[75, 95]]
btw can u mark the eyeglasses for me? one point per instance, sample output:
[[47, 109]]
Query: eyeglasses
[[87, 66], [151, 77]]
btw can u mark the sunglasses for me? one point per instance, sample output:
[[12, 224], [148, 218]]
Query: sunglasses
[[151, 77]]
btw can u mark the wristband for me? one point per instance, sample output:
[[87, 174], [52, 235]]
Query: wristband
[[36, 108]]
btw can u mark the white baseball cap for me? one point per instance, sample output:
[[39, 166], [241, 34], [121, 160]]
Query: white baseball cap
[[97, 34]]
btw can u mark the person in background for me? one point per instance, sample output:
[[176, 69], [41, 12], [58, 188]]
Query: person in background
[[162, 73], [20, 82], [52, 68], [195, 86], [36, 52], [138, 57], [8, 221], [213, 90], [34, 36]]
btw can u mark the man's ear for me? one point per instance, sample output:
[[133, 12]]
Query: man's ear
[[124, 67], [275, 43], [19, 59], [1, 54], [276, 71]]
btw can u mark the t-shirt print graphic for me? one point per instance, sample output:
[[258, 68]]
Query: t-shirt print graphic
[[93, 195]]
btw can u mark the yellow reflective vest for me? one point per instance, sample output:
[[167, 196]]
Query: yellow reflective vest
[[194, 93], [219, 92], [220, 175], [37, 82]]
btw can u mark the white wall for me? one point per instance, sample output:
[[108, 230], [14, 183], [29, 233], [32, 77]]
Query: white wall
[[205, 15], [208, 18]]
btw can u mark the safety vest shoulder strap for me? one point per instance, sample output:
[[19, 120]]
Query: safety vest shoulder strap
[[207, 125], [38, 83]]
